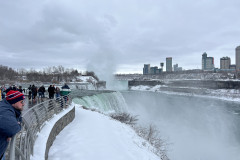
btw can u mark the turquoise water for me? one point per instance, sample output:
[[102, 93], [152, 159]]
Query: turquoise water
[[104, 102]]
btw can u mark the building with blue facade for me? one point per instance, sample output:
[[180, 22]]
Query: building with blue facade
[[207, 62], [146, 69]]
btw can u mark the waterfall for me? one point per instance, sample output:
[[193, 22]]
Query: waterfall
[[104, 102]]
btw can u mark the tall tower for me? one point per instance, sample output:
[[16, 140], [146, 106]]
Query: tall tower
[[146, 69], [225, 63], [169, 64], [162, 64], [238, 58], [204, 58], [207, 62]]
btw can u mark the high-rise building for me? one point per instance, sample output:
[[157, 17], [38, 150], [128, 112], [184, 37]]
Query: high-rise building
[[146, 69], [225, 63], [154, 70], [204, 57], [238, 58], [176, 68], [207, 62], [169, 64]]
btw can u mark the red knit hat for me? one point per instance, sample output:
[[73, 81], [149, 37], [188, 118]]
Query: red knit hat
[[14, 96]]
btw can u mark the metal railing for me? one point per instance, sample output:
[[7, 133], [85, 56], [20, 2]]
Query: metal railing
[[21, 146]]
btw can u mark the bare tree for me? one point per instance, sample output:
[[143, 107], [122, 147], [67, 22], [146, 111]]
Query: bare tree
[[150, 134], [125, 118]]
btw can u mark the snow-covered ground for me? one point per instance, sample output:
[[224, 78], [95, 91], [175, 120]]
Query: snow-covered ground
[[41, 141], [86, 79], [93, 136], [83, 83], [224, 94]]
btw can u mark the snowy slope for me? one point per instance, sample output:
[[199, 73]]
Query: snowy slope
[[93, 136], [224, 94]]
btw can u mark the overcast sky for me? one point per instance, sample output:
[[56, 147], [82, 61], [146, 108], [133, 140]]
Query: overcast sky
[[116, 35]]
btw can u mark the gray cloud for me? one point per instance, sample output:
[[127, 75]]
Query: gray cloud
[[116, 36]]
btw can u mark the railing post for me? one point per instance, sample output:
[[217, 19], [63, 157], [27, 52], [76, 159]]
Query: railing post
[[46, 109], [12, 149], [38, 121]]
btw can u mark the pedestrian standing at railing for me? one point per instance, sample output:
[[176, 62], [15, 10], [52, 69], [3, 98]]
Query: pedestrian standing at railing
[[34, 92], [40, 92], [30, 92], [51, 91], [10, 118], [57, 93], [43, 91]]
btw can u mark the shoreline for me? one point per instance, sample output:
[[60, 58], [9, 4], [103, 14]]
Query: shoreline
[[232, 95]]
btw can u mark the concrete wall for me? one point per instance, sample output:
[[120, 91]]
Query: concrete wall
[[146, 83], [58, 127], [211, 84]]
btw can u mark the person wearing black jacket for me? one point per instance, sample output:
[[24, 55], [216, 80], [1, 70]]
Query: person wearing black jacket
[[51, 91], [30, 92]]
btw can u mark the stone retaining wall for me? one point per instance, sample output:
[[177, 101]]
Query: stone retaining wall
[[145, 82], [210, 84], [58, 127]]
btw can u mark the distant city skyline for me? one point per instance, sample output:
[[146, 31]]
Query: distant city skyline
[[208, 64]]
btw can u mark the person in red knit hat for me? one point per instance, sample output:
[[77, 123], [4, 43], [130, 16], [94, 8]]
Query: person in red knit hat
[[10, 118]]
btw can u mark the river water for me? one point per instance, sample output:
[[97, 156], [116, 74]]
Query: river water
[[195, 128]]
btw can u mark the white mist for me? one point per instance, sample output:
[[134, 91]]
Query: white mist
[[195, 128]]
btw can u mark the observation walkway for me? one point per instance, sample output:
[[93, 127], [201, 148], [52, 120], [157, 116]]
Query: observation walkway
[[35, 114]]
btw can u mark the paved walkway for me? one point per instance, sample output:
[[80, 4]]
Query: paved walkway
[[30, 103]]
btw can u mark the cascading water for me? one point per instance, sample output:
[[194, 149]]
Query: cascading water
[[104, 102]]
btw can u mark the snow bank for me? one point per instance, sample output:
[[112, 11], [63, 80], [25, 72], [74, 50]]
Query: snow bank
[[41, 141], [223, 94], [92, 136], [86, 79]]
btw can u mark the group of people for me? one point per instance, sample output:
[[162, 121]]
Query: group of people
[[12, 104], [34, 90], [4, 90], [52, 90]]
